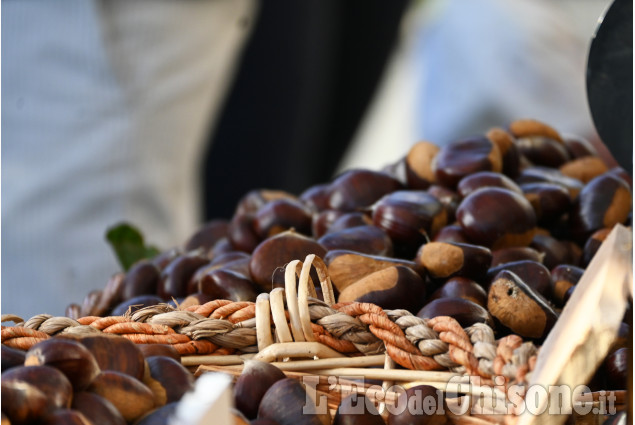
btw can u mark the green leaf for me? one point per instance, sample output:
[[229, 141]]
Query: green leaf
[[127, 242]]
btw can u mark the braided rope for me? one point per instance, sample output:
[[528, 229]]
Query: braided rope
[[222, 327]]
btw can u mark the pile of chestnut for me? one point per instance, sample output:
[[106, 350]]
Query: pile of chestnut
[[99, 379]]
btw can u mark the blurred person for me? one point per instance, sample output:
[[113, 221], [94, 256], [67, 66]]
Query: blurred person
[[105, 108]]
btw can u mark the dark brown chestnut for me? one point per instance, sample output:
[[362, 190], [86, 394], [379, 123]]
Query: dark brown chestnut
[[518, 307], [135, 303], [169, 376], [90, 303], [141, 279], [418, 165], [391, 288], [593, 243], [448, 259], [617, 369], [129, 396], [347, 267], [451, 233], [252, 384], [563, 277], [461, 158], [409, 217], [129, 359], [68, 356], [508, 149], [472, 182], [497, 218], [149, 350], [316, 197], [356, 189], [365, 239], [269, 258], [578, 147], [97, 409], [323, 220], [549, 200], [255, 199], [23, 403], [461, 287], [448, 198], [161, 416], [65, 417], [534, 274], [515, 253], [604, 202], [348, 220], [555, 251], [550, 175], [584, 169], [287, 403], [464, 311], [166, 257], [356, 409], [73, 311], [228, 285], [241, 233], [541, 150], [207, 235], [222, 246], [280, 215], [50, 381], [110, 296], [11, 357], [419, 405], [175, 277]]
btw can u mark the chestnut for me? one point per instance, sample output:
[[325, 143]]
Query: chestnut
[[472, 182], [241, 233], [497, 218], [50, 381], [348, 220], [129, 396], [135, 303], [228, 285], [169, 377], [22, 402], [549, 200], [287, 403], [175, 277], [365, 239], [555, 251], [68, 356], [448, 198], [11, 357], [161, 416], [593, 243], [578, 147], [65, 417], [541, 150], [110, 296], [550, 175], [357, 189], [280, 215], [508, 150], [584, 169], [149, 350], [604, 202], [418, 162], [528, 127], [347, 267], [255, 199], [448, 259], [390, 288], [129, 359], [464, 311], [323, 220], [534, 274], [461, 287], [419, 405], [451, 233], [617, 369], [269, 258], [316, 197], [458, 159], [207, 236], [515, 253], [563, 277], [518, 307], [96, 409], [90, 303], [166, 257], [408, 217], [73, 311], [222, 246], [141, 279], [356, 409], [252, 384]]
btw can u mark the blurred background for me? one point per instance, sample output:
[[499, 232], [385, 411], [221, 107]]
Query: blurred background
[[163, 113]]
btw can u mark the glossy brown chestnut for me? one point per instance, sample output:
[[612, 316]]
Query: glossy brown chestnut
[[228, 285], [11, 357], [149, 350], [541, 150], [520, 308], [175, 277], [129, 359], [222, 246], [356, 409], [549, 200], [472, 182], [550, 175], [166, 257], [555, 251], [90, 303], [207, 235], [348, 220], [255, 199], [508, 149], [419, 405], [451, 233], [365, 239], [515, 253], [269, 258], [135, 303], [68, 356], [323, 220], [280, 215], [584, 169], [604, 202], [592, 245], [461, 158], [287, 403], [23, 403], [252, 384], [129, 396], [563, 277], [347, 267], [65, 417], [160, 416], [96, 409], [448, 259], [110, 296], [141, 279], [409, 217], [497, 218], [50, 381], [578, 147], [465, 312], [241, 233], [448, 198], [461, 287], [418, 162], [391, 288], [169, 376], [356, 189], [316, 197], [534, 274]]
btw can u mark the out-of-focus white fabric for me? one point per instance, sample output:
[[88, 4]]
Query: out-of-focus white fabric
[[105, 108]]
